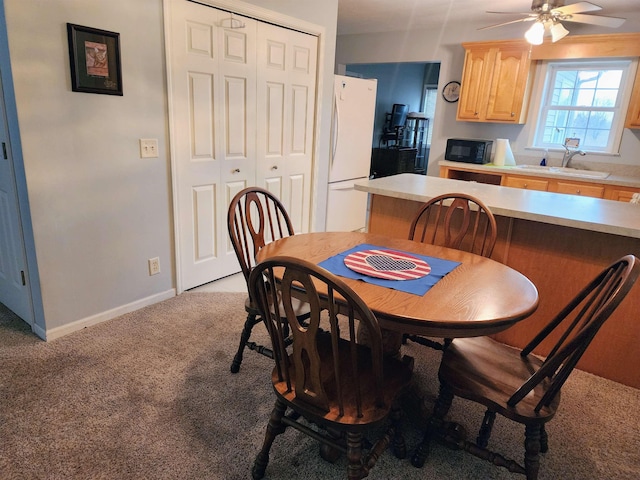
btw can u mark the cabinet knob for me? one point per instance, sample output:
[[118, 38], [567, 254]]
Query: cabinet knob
[[577, 192], [236, 170], [526, 185], [275, 167], [513, 114]]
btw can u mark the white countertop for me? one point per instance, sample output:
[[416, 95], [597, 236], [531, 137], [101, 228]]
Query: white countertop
[[612, 179], [587, 213]]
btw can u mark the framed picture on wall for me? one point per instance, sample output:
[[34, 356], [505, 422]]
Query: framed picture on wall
[[94, 57]]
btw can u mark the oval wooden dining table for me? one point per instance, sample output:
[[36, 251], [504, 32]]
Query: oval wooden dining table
[[479, 297]]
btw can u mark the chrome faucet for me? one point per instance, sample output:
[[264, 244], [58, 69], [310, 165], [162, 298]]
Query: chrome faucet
[[569, 154]]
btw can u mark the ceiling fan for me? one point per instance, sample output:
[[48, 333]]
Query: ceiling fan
[[548, 15]]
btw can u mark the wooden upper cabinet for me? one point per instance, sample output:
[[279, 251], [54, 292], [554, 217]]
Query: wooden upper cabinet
[[633, 114], [495, 82], [509, 86], [473, 93]]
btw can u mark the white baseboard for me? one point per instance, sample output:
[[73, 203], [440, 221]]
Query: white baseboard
[[103, 316]]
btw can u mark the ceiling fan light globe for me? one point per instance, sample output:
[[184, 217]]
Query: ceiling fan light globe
[[558, 32], [535, 34]]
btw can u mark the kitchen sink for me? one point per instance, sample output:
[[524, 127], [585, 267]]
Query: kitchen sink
[[568, 171]]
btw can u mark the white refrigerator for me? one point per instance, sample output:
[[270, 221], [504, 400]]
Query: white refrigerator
[[350, 157]]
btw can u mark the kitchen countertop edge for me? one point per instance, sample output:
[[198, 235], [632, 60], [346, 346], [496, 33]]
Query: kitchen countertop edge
[[587, 213]]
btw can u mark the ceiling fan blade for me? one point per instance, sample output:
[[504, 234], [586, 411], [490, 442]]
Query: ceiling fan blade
[[579, 7], [513, 13], [612, 22], [527, 19]]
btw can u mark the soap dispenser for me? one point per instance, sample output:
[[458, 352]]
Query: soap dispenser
[[543, 162]]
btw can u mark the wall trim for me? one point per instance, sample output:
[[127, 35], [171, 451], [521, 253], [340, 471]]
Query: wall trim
[[63, 330]]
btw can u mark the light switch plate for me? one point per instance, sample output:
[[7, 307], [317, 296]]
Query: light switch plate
[[148, 148]]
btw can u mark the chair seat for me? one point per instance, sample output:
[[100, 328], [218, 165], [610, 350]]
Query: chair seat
[[301, 309], [396, 376], [488, 372]]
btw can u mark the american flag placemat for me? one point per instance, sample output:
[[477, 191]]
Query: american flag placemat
[[388, 264], [438, 268]]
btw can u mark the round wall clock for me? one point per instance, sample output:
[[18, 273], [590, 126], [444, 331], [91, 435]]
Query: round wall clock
[[451, 91]]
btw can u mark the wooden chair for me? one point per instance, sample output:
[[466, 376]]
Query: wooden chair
[[328, 379], [255, 218], [518, 385], [454, 220]]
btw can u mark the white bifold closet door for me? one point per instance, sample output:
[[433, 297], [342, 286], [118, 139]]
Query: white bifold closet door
[[242, 112]]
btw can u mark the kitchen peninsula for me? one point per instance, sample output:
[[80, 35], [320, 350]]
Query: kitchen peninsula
[[559, 241]]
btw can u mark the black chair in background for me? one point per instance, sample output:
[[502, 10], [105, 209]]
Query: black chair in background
[[394, 125]]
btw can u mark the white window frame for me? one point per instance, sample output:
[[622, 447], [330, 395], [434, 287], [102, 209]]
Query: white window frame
[[543, 84]]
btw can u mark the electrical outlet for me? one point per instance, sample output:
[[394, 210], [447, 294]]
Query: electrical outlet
[[154, 266], [148, 148]]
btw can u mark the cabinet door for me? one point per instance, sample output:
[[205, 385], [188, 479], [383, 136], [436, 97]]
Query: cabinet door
[[510, 74], [526, 183], [472, 91], [620, 194], [633, 114], [596, 191]]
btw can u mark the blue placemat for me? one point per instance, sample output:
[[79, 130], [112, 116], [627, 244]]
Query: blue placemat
[[419, 286]]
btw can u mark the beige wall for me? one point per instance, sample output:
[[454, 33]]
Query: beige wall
[[98, 210]]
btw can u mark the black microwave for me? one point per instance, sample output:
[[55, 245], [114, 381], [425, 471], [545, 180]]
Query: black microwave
[[468, 150]]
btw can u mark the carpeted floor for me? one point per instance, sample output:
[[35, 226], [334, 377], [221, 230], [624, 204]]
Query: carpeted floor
[[149, 396]]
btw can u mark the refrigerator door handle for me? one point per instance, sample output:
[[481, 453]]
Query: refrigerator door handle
[[335, 128]]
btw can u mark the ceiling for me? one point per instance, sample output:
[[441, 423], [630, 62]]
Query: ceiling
[[371, 16]]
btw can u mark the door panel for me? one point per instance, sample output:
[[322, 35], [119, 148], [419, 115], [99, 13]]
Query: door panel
[[204, 201], [201, 104], [14, 293], [232, 188], [285, 111], [213, 87], [297, 186], [299, 125], [235, 111], [275, 119], [274, 185]]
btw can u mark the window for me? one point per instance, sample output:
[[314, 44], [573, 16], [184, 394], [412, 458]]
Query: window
[[585, 100]]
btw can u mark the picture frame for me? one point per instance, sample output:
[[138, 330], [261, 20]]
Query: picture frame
[[94, 57]]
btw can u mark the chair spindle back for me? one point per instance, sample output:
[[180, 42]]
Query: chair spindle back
[[578, 323], [255, 218], [456, 220], [316, 370]]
